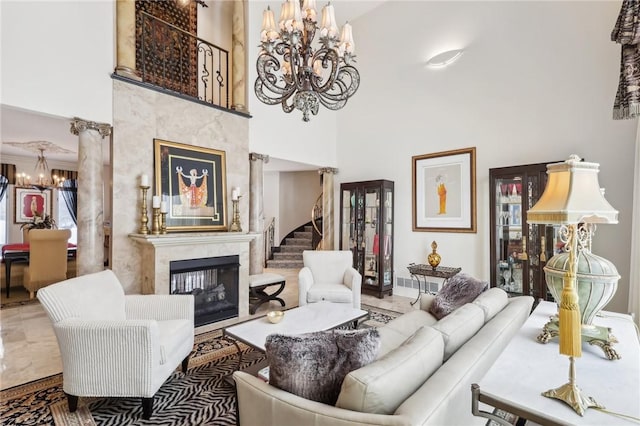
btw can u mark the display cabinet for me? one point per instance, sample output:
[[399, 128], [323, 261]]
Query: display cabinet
[[519, 251], [366, 228]]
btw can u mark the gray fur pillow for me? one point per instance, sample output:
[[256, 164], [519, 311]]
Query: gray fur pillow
[[458, 291], [313, 365]]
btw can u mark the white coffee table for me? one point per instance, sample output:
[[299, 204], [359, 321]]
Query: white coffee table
[[304, 319]]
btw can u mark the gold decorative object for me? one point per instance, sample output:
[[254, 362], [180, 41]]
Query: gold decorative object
[[155, 225], [235, 224], [144, 219], [163, 222], [434, 258], [275, 317], [572, 196]]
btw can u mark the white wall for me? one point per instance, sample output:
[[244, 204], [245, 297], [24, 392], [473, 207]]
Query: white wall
[[298, 193], [536, 83], [59, 60], [271, 183], [274, 132]]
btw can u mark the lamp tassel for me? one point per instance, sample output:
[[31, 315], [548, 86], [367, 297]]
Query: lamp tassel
[[569, 317]]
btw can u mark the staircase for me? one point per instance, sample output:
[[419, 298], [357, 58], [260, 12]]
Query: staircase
[[290, 254]]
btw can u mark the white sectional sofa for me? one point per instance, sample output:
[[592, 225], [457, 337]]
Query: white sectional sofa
[[422, 375]]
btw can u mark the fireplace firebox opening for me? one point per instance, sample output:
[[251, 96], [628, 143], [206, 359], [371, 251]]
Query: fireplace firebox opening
[[213, 281]]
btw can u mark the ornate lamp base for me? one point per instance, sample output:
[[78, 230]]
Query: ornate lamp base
[[592, 334], [571, 394]]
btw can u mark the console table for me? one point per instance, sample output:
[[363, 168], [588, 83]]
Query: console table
[[421, 272], [527, 368]]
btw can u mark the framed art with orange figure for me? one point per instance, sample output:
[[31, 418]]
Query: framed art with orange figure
[[444, 191], [30, 202]]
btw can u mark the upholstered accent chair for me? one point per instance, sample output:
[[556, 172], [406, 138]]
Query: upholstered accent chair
[[329, 275], [117, 345], [47, 258]]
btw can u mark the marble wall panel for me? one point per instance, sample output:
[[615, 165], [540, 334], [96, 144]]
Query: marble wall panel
[[139, 116]]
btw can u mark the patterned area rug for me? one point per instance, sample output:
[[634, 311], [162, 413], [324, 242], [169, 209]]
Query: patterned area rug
[[200, 397]]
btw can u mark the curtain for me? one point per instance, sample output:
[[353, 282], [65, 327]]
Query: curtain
[[634, 275], [4, 184], [66, 174], [626, 32], [69, 193], [7, 176]]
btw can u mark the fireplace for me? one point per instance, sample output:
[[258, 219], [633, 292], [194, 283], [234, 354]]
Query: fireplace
[[213, 281]]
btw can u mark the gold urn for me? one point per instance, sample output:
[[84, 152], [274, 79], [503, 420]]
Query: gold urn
[[434, 257]]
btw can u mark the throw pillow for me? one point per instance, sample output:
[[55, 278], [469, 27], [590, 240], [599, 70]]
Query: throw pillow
[[313, 365], [459, 289]]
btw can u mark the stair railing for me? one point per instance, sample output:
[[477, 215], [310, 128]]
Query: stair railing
[[316, 222], [269, 240]]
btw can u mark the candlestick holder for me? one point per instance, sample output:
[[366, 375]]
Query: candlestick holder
[[163, 222], [235, 224], [144, 219], [155, 225]]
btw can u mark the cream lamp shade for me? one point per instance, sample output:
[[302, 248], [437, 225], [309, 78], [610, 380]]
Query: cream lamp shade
[[572, 195]]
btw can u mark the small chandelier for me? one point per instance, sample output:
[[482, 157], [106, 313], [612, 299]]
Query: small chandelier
[[292, 73], [42, 175]]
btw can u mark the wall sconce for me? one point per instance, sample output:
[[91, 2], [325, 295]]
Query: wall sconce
[[443, 59]]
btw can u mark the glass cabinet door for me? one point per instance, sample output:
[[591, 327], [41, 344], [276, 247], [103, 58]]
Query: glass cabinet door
[[511, 250], [387, 250], [519, 251], [366, 228]]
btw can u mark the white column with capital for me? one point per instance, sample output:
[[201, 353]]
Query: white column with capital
[[90, 257], [328, 228], [256, 212]]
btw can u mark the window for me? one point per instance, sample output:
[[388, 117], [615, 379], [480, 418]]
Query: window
[[65, 221]]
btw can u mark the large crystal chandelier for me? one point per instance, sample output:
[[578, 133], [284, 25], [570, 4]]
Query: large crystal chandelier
[[292, 73]]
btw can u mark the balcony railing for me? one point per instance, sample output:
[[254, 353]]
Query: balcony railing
[[177, 61]]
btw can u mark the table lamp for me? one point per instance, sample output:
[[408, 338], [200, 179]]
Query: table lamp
[[574, 200]]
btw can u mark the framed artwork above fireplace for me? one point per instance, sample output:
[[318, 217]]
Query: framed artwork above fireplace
[[192, 182]]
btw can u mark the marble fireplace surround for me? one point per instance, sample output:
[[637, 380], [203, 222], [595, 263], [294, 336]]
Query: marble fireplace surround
[[156, 251]]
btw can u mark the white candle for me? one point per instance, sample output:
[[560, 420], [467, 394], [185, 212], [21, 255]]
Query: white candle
[[156, 202], [144, 180], [234, 194], [238, 191], [163, 207]]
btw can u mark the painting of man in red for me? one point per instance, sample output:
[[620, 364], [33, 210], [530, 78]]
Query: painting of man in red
[[33, 205], [191, 194]]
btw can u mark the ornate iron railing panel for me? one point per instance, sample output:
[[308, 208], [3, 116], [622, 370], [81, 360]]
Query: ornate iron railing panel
[[178, 61]]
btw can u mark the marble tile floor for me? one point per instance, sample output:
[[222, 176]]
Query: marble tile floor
[[29, 350]]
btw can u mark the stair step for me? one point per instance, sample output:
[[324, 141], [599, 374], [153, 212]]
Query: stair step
[[288, 256], [304, 242], [308, 228], [284, 264], [294, 249], [305, 235]]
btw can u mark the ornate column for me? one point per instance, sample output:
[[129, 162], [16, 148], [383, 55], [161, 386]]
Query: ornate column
[[239, 58], [90, 194], [256, 212], [126, 39], [328, 240]]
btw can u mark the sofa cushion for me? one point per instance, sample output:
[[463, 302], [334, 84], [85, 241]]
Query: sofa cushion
[[396, 331], [336, 293], [491, 302], [458, 327], [459, 289], [313, 365], [383, 385]]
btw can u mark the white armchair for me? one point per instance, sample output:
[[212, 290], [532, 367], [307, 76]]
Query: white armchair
[[117, 345], [329, 275]]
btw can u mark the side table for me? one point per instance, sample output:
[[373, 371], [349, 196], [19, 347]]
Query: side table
[[527, 368], [421, 272]]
